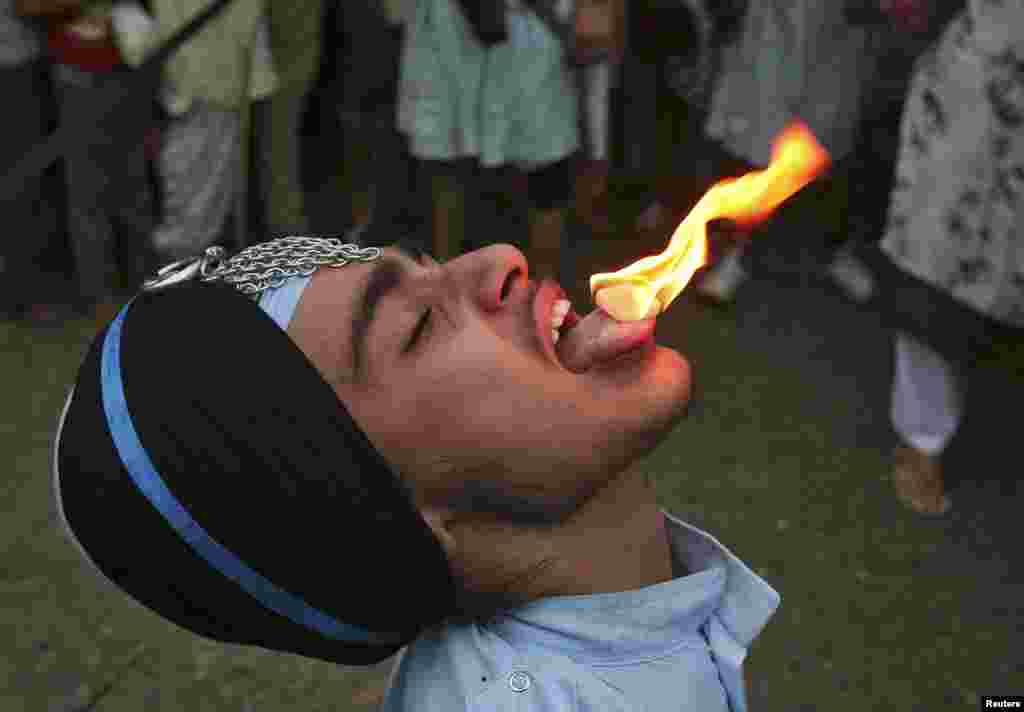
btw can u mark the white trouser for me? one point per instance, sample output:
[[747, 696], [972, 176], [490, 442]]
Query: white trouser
[[926, 397]]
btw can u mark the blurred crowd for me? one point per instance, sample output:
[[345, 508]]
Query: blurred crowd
[[441, 104]]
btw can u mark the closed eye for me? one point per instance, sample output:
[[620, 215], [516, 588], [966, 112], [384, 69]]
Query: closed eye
[[425, 259]]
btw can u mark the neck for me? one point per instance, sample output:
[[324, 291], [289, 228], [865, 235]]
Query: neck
[[616, 542]]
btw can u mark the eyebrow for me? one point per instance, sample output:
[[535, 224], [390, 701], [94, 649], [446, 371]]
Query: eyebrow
[[384, 279]]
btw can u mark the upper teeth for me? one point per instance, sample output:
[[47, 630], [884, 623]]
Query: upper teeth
[[558, 311]]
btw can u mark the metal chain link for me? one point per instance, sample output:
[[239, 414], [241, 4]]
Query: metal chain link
[[266, 265]]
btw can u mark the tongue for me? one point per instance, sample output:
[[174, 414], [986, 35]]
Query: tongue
[[598, 338]]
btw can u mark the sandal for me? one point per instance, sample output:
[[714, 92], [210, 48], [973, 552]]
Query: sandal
[[919, 483]]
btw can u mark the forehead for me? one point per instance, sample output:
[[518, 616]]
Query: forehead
[[337, 287], [322, 324]]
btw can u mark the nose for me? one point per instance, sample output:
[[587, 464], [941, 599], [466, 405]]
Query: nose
[[492, 273]]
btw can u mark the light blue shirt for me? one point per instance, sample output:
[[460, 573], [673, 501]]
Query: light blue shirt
[[677, 645]]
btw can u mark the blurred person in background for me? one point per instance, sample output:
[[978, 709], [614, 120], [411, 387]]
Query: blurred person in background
[[901, 32], [295, 32], [485, 87], [684, 40], [595, 82], [29, 221], [201, 153], [112, 208], [379, 173], [794, 59], [956, 220]]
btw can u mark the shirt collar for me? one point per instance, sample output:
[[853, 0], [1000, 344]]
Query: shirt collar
[[650, 621], [748, 601]]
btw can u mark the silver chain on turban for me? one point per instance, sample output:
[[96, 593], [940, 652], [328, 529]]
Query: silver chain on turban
[[263, 266]]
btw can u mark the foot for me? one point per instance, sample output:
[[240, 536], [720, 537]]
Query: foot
[[919, 484], [852, 276], [42, 314], [720, 283]]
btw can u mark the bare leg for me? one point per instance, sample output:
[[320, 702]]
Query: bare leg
[[546, 230], [449, 201]]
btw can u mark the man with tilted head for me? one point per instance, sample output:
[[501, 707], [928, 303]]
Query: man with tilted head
[[395, 456]]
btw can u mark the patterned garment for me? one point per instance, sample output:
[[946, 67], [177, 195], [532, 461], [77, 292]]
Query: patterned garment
[[956, 217], [514, 103], [199, 166]]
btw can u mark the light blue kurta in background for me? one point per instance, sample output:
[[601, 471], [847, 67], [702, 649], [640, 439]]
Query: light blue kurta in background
[[677, 645], [513, 103]]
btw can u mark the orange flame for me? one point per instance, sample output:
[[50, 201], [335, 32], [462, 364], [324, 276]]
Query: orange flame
[[646, 287]]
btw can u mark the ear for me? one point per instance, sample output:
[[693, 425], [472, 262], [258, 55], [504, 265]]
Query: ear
[[438, 520]]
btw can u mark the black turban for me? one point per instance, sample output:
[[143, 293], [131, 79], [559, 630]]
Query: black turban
[[232, 493]]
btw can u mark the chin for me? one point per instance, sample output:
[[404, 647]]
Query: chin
[[657, 374], [653, 393]]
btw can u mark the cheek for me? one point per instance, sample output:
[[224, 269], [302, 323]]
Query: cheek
[[460, 403], [471, 396], [427, 410], [428, 429]]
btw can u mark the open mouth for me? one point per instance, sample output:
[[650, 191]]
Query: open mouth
[[553, 316], [578, 344]]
